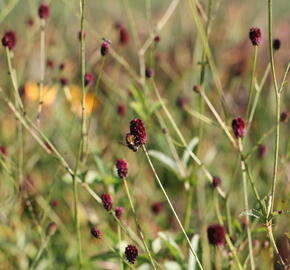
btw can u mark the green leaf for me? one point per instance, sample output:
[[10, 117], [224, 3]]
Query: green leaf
[[166, 160], [171, 245], [189, 148], [191, 260]]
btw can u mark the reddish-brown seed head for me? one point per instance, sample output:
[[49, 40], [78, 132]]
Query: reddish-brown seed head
[[63, 81], [216, 182], [284, 117], [121, 109], [262, 150], [239, 127], [149, 72], [123, 35], [3, 150], [216, 234], [181, 102], [157, 207], [255, 36], [119, 212], [96, 232], [122, 168], [9, 40], [137, 129], [89, 79], [43, 11], [276, 44], [131, 253], [107, 201], [105, 48], [51, 229], [157, 38]]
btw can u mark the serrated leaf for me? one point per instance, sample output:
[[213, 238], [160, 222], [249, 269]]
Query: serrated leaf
[[166, 160], [189, 148]]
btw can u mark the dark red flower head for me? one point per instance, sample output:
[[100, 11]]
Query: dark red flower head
[[61, 66], [262, 150], [49, 63], [284, 117], [276, 44], [9, 40], [181, 102], [255, 36], [157, 39], [216, 182], [107, 201], [105, 48], [239, 127], [137, 129], [30, 21], [63, 81], [123, 35], [131, 253], [96, 232], [196, 88], [157, 207], [121, 109], [119, 212], [149, 72], [89, 79], [3, 150], [43, 11], [216, 234], [122, 168], [51, 229]]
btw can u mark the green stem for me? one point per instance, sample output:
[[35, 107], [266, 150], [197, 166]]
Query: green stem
[[42, 69], [120, 251], [138, 224], [245, 189], [172, 208], [39, 253]]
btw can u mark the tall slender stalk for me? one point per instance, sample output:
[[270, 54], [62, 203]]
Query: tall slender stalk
[[246, 202], [171, 206], [138, 224], [42, 69]]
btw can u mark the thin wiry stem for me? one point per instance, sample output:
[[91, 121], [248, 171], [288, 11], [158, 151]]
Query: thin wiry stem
[[83, 132], [184, 143], [138, 224], [246, 202], [42, 69], [171, 207]]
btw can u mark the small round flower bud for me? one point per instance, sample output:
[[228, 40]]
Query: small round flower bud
[[107, 201], [131, 253], [262, 150], [123, 35], [61, 66], [63, 81], [137, 129], [43, 11], [181, 102], [96, 232], [119, 212], [105, 48], [49, 63], [149, 72], [196, 88], [255, 36], [284, 117], [122, 168], [30, 22], [9, 40], [89, 79], [54, 203], [239, 127], [157, 38], [51, 229], [216, 234], [3, 150], [216, 182], [157, 207], [276, 44], [121, 109]]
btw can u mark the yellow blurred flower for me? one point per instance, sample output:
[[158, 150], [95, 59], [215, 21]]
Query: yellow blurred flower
[[32, 93], [92, 103]]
